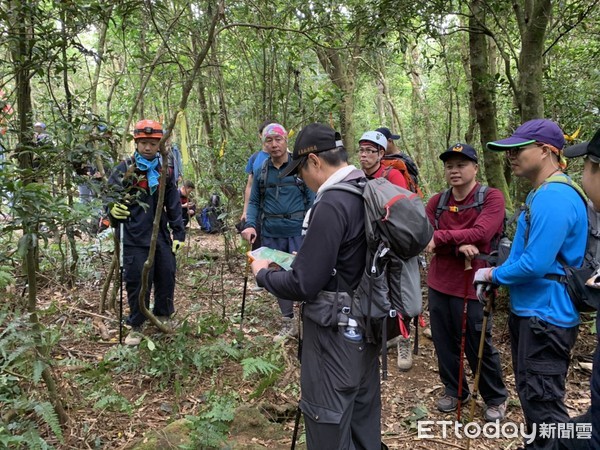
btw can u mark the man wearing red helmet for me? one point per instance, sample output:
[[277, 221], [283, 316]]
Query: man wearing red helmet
[[135, 184]]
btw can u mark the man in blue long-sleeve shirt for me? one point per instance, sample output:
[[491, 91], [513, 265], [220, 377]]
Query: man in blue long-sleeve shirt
[[543, 322], [278, 205]]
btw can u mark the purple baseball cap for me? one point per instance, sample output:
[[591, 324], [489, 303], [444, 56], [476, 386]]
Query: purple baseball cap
[[536, 130]]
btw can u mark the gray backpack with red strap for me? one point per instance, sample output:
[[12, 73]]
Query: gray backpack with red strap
[[397, 230]]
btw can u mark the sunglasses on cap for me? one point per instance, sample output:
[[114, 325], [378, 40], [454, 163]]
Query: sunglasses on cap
[[147, 130]]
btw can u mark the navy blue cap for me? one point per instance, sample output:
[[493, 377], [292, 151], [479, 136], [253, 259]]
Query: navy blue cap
[[387, 133], [462, 149]]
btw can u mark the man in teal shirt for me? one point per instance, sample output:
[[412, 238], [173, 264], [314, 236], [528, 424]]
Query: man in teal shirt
[[278, 205]]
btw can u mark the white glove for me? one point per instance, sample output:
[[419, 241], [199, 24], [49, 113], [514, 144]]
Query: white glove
[[483, 276], [594, 280]]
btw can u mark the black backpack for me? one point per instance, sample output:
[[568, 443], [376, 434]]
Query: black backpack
[[209, 218], [291, 180], [442, 205], [584, 298]]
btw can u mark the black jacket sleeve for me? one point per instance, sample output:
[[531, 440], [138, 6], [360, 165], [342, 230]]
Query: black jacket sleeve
[[334, 239]]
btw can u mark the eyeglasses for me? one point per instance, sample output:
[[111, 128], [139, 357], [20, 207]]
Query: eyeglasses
[[301, 166], [366, 150], [515, 151], [592, 158]]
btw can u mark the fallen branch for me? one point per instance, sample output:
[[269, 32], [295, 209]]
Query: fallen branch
[[92, 314]]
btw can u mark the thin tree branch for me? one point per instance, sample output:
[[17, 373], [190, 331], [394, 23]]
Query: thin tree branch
[[580, 19], [287, 30]]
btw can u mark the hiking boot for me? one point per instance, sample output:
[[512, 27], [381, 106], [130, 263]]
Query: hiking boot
[[405, 361], [289, 329], [393, 342], [134, 337], [166, 320], [494, 413], [448, 403]]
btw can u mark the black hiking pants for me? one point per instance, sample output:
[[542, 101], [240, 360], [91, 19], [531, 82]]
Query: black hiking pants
[[445, 315], [595, 387], [161, 276], [341, 397], [579, 440], [540, 354]]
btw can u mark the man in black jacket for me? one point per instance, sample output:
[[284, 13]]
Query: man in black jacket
[[341, 398], [135, 181]]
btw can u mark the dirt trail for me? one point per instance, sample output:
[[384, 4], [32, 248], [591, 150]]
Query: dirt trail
[[406, 396]]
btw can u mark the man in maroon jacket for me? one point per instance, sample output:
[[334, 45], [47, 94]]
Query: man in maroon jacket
[[463, 230]]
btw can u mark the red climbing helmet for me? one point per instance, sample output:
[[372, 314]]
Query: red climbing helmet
[[147, 129]]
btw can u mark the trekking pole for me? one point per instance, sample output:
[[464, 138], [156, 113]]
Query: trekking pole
[[244, 291], [486, 315], [463, 337], [121, 250], [189, 238], [296, 427]]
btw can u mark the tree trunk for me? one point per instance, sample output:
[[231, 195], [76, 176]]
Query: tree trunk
[[466, 63], [342, 71], [394, 124], [533, 22], [484, 96], [421, 123], [72, 273], [21, 53], [205, 113]]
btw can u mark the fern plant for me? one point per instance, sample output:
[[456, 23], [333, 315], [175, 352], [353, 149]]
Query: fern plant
[[209, 429], [21, 367], [262, 367]]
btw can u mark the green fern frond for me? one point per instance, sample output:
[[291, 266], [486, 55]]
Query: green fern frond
[[265, 383], [112, 402], [259, 366], [46, 412], [16, 353], [38, 368]]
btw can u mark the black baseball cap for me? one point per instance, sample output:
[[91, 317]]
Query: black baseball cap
[[591, 148], [387, 133], [313, 138], [462, 149]]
